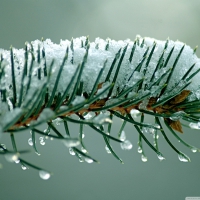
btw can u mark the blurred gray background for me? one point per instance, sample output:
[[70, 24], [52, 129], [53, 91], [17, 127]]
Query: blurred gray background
[[27, 20]]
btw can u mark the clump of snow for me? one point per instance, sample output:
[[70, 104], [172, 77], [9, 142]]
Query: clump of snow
[[98, 52]]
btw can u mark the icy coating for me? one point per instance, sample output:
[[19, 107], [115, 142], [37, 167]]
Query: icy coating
[[97, 55]]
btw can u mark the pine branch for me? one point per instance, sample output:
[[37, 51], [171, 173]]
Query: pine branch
[[50, 83]]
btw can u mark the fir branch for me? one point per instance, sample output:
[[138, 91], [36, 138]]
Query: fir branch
[[55, 82]]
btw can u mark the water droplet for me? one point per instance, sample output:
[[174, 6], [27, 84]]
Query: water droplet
[[30, 142], [139, 149], [123, 136], [83, 135], [89, 115], [148, 130], [51, 138], [31, 132], [126, 145], [194, 125], [44, 175], [2, 147], [83, 150], [155, 136], [194, 149], [156, 126], [160, 157], [107, 149], [17, 161], [37, 153], [11, 157], [81, 160], [42, 140], [134, 113], [23, 167], [143, 158], [47, 131], [71, 142], [88, 160], [46, 137], [57, 121], [184, 158], [71, 151]]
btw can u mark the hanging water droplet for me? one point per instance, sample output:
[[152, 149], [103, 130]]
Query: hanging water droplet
[[46, 137], [51, 138], [23, 167], [134, 113], [42, 140], [160, 157], [184, 158], [126, 145], [17, 161], [71, 151], [88, 160], [30, 142], [81, 160], [2, 147], [47, 131], [139, 149], [194, 125], [123, 136], [107, 149], [11, 157], [194, 149], [156, 126], [155, 136], [71, 142], [154, 144], [37, 153], [148, 130], [83, 135], [143, 158], [44, 175], [83, 150]]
